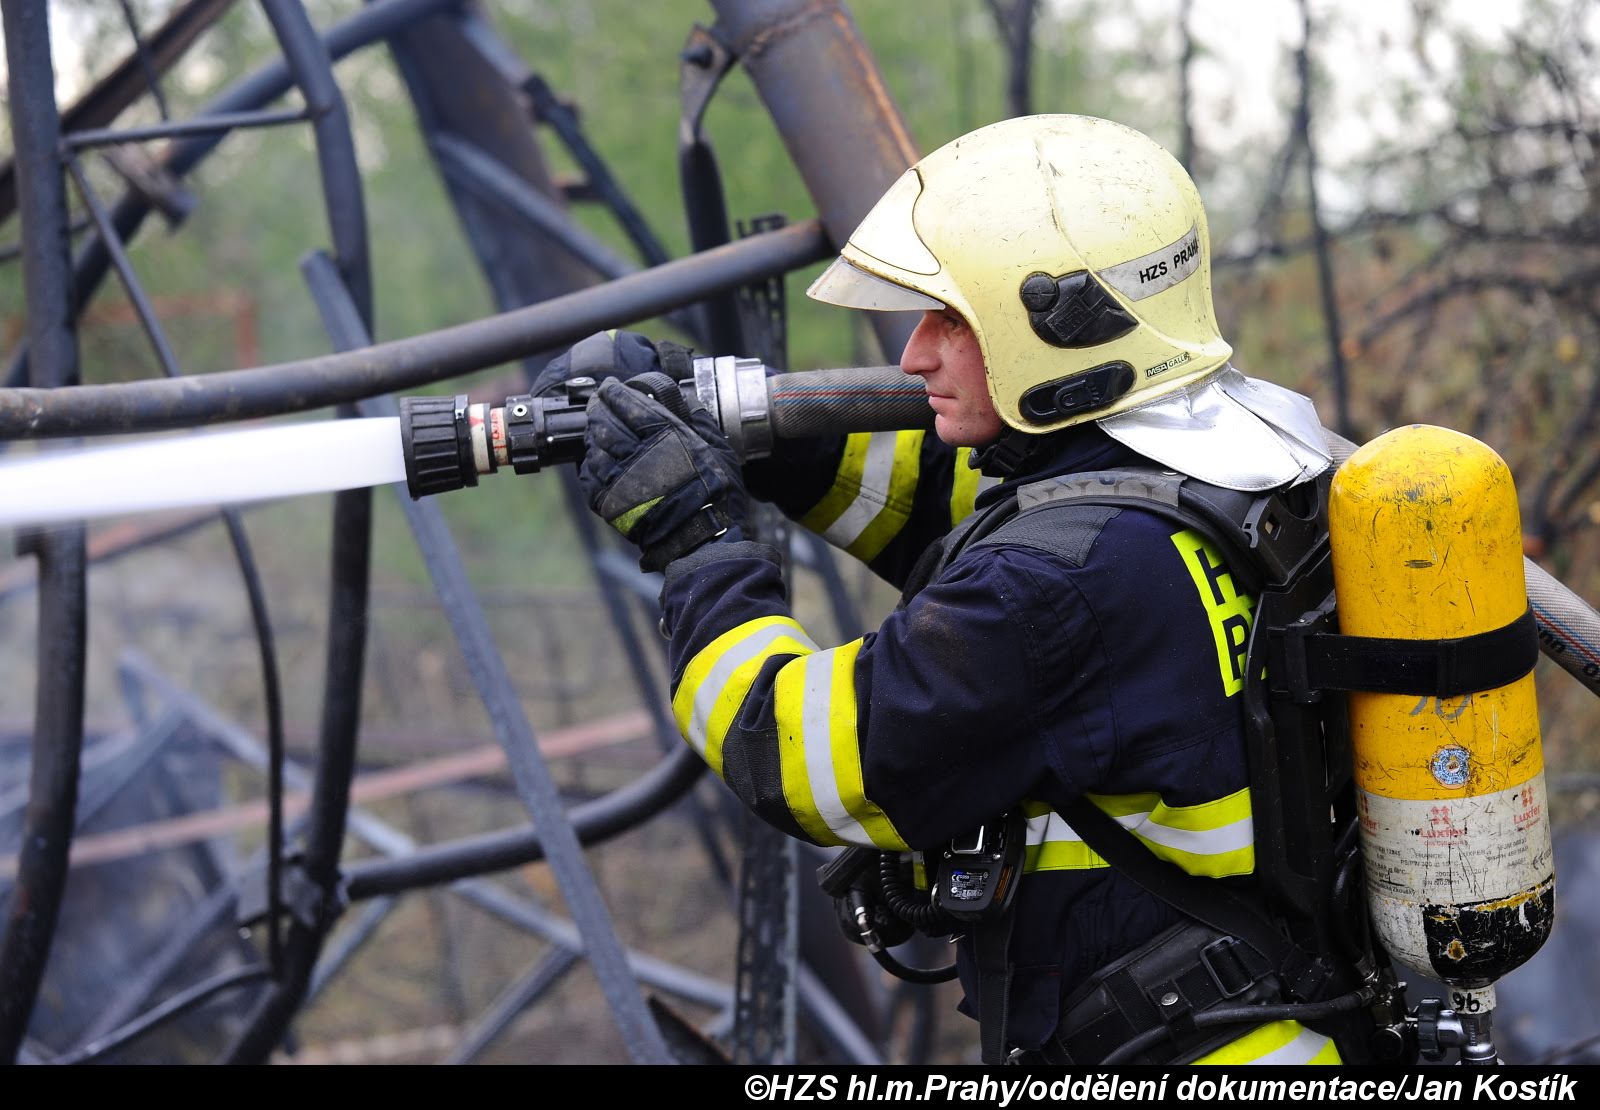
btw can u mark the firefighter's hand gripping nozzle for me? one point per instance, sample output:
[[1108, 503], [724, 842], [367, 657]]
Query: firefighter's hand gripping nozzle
[[449, 441]]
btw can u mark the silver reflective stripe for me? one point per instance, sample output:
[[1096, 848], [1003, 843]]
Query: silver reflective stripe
[[877, 470], [1302, 1050], [705, 698], [1053, 828], [816, 723], [1211, 842], [1159, 270]]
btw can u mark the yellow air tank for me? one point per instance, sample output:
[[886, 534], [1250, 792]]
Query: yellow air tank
[[1455, 831]]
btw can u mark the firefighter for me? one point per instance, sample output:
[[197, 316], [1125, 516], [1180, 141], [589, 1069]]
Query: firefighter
[[1062, 268]]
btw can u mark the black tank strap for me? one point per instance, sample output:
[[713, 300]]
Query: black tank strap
[[1305, 661]]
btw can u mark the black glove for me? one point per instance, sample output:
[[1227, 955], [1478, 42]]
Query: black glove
[[666, 484], [613, 354]]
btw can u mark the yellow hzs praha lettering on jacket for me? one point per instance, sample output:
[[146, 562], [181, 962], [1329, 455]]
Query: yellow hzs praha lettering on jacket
[[1228, 610]]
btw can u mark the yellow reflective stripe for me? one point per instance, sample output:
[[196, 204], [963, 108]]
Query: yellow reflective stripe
[[966, 487], [870, 500], [846, 484], [627, 520], [718, 678], [1281, 1042], [886, 524], [789, 697], [1211, 839], [964, 491], [820, 752], [735, 688], [1052, 845]]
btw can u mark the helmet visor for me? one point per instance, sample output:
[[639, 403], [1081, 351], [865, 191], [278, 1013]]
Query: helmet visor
[[849, 286]]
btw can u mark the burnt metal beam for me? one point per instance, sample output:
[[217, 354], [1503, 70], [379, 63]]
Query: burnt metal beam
[[175, 129], [463, 82], [510, 1003], [599, 184], [390, 841], [704, 62], [261, 87], [531, 776], [832, 108], [308, 60], [63, 618], [311, 65], [601, 819], [126, 83], [406, 363], [175, 1007], [485, 176]]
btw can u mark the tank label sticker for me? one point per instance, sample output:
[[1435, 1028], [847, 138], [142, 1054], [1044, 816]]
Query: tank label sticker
[[1449, 766], [1460, 888], [1157, 271], [1457, 850]]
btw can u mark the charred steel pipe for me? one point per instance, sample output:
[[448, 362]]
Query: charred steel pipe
[[372, 23], [463, 82], [833, 110], [336, 768], [481, 173], [341, 711], [624, 808], [58, 705], [312, 67], [127, 82], [53, 786], [406, 363]]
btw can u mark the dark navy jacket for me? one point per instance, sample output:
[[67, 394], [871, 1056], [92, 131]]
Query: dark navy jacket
[[1015, 677]]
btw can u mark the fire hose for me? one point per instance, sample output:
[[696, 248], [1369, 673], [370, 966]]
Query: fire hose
[[448, 442]]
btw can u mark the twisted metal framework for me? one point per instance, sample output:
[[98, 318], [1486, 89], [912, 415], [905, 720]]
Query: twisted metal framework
[[478, 109]]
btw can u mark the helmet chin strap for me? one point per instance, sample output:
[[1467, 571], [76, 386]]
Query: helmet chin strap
[[1015, 452]]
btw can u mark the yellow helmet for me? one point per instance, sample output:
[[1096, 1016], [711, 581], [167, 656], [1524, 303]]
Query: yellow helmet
[[1074, 247]]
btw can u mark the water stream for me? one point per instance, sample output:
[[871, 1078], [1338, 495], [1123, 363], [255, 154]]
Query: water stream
[[213, 468]]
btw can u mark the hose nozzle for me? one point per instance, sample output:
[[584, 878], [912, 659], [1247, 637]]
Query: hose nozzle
[[449, 441]]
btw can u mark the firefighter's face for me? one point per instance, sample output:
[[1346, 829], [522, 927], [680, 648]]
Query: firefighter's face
[[944, 353]]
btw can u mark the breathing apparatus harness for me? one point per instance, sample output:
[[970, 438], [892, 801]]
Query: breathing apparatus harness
[[1302, 935]]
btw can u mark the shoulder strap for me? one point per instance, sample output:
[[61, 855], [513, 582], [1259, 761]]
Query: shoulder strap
[[1206, 900], [1268, 537], [942, 551]]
